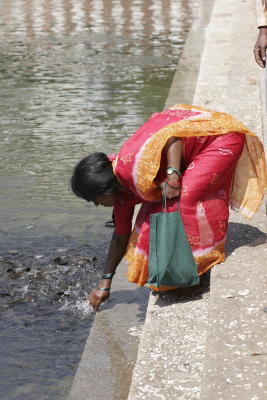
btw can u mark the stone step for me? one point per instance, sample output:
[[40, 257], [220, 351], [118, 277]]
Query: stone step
[[213, 346], [236, 348]]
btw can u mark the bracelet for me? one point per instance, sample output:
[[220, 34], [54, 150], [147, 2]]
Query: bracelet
[[171, 170], [108, 276], [103, 289], [171, 185]]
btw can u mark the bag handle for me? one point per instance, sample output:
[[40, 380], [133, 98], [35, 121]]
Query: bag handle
[[164, 199]]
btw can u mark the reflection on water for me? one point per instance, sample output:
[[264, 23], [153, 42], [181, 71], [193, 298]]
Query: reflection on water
[[76, 76]]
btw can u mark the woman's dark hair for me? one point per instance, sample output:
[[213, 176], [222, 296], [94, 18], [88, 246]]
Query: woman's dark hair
[[93, 176]]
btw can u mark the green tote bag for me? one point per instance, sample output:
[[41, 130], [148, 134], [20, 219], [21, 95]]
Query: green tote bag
[[171, 262]]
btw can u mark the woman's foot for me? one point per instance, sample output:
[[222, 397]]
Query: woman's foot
[[157, 294], [188, 291], [180, 292]]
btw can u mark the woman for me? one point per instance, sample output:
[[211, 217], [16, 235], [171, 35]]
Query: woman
[[208, 158]]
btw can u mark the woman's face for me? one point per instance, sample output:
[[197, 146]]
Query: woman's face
[[106, 200]]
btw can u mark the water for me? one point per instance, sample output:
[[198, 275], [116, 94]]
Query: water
[[76, 76]]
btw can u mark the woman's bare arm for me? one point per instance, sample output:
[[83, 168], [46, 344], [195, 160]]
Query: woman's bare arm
[[116, 252], [173, 151]]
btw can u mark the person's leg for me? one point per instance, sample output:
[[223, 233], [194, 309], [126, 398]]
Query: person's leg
[[205, 195]]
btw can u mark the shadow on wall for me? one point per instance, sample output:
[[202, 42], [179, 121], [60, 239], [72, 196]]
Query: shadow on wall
[[240, 235], [139, 296]]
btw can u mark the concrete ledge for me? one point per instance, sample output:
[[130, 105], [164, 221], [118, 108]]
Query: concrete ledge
[[214, 346], [186, 75], [236, 349]]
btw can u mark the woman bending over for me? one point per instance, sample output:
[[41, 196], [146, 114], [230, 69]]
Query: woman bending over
[[209, 159]]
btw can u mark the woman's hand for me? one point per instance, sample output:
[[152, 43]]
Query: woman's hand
[[260, 47], [116, 251], [97, 297], [171, 191]]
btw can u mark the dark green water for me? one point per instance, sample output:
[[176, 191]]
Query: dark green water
[[76, 76]]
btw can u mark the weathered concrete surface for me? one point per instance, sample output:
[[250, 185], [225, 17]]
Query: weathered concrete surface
[[236, 363], [186, 75], [229, 78], [171, 351], [214, 346], [236, 347]]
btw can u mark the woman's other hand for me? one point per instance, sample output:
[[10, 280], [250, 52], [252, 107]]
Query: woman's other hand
[[97, 297], [172, 193], [173, 188], [260, 47]]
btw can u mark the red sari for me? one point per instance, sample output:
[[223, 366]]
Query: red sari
[[211, 180]]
